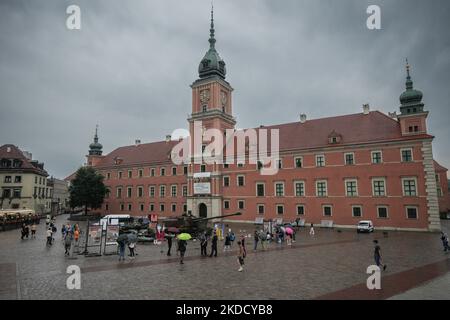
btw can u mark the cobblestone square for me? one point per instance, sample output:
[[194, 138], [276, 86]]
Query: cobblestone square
[[330, 265]]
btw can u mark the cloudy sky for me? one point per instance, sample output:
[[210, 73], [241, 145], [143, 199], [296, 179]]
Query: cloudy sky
[[130, 66]]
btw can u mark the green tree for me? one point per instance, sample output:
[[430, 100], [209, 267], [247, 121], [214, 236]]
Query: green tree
[[87, 189]]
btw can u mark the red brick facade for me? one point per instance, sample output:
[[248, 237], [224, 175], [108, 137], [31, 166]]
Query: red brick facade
[[345, 169]]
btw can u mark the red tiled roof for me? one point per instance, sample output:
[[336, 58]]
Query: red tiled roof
[[16, 153], [353, 129], [438, 167], [137, 154]]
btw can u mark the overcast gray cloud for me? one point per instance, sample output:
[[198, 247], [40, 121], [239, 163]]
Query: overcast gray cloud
[[130, 66]]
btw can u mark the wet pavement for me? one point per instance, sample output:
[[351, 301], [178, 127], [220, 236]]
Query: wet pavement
[[330, 265]]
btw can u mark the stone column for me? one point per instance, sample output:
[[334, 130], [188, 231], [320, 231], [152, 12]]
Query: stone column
[[434, 221]]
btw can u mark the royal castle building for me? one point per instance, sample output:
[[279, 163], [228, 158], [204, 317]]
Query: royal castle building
[[362, 166]]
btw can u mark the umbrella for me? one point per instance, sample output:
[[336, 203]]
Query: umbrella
[[283, 229], [173, 230], [184, 236], [289, 230], [132, 238], [122, 238]]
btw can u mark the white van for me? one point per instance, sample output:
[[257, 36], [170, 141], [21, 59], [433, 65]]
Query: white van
[[114, 219], [365, 226]]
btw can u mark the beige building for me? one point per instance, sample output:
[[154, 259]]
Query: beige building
[[60, 195], [23, 181]]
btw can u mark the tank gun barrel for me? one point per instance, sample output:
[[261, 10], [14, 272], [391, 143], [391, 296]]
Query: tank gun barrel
[[218, 217]]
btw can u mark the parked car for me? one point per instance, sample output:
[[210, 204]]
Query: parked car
[[365, 226]]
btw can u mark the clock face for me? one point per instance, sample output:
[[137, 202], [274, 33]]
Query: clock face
[[223, 98], [204, 96]]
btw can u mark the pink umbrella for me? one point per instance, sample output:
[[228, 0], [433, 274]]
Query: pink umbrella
[[289, 231]]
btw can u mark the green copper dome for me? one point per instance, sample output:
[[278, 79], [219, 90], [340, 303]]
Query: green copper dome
[[95, 148], [410, 99], [212, 63]]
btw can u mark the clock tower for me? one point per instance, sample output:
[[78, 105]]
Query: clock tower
[[212, 106]]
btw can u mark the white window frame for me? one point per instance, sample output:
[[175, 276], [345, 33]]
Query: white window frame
[[226, 201], [387, 212], [360, 208], [183, 188], [129, 194], [327, 206], [161, 170], [440, 194], [223, 181], [141, 189], [237, 180], [324, 160], [412, 207], [346, 189], [257, 209], [326, 188], [176, 171], [295, 162], [117, 192], [150, 192], [279, 205], [264, 186], [415, 185], [373, 187], [239, 201], [381, 156], [401, 154], [304, 188], [161, 187], [353, 158], [275, 188], [296, 210], [176, 191]]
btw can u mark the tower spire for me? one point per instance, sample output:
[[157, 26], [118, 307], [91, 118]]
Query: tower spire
[[212, 40], [409, 82], [96, 135]]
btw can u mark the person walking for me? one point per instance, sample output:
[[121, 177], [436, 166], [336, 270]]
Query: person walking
[[214, 245], [33, 230], [23, 231], [232, 238], [311, 230], [289, 239], [131, 247], [182, 248], [67, 243], [377, 256], [227, 245], [255, 240], [240, 256], [121, 244], [203, 244], [243, 245], [444, 239], [49, 236], [169, 244]]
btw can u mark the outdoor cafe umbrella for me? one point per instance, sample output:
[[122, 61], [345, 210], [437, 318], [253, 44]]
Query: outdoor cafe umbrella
[[184, 236]]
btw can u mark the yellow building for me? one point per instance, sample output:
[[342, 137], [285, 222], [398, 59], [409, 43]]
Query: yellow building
[[23, 181]]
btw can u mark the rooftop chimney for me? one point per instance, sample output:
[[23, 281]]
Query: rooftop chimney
[[137, 142], [168, 138], [393, 115], [302, 118], [366, 108]]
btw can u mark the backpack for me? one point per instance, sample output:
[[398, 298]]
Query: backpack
[[232, 237]]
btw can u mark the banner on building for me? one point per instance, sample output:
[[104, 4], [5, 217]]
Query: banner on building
[[202, 188]]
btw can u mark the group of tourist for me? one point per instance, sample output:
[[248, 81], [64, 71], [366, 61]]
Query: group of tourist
[[25, 231]]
